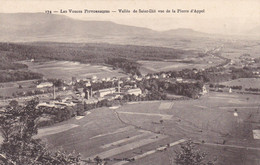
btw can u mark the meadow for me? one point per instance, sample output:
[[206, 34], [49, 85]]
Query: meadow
[[244, 82], [177, 65], [67, 69]]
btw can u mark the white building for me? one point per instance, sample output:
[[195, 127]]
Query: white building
[[163, 75], [44, 84], [204, 90], [135, 91], [88, 84], [147, 77], [230, 90], [155, 76], [94, 77], [179, 79], [104, 92]]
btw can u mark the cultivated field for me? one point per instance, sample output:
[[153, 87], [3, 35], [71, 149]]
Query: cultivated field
[[158, 66], [7, 89], [244, 82], [237, 48], [67, 69], [150, 131]]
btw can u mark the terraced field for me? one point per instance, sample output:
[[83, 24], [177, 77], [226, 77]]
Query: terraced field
[[149, 132]]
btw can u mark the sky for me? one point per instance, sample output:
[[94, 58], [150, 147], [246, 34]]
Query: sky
[[220, 16]]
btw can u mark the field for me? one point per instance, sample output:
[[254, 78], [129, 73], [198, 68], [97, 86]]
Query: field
[[158, 66], [244, 82], [7, 89], [151, 131], [59, 70], [237, 48], [67, 69]]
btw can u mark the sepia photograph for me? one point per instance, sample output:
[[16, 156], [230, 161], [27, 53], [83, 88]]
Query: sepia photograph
[[129, 82]]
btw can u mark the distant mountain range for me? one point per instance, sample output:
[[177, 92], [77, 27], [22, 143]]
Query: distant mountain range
[[22, 27]]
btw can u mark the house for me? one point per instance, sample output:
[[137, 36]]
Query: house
[[44, 84], [155, 76], [107, 79], [88, 84], [67, 82], [163, 75], [179, 79], [134, 91], [80, 92], [204, 90], [230, 90], [73, 80], [94, 77], [127, 86], [147, 77], [195, 70], [112, 96], [114, 79], [45, 104], [139, 78], [104, 92]]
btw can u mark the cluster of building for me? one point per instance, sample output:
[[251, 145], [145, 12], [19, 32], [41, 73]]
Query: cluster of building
[[87, 94], [246, 60], [70, 93]]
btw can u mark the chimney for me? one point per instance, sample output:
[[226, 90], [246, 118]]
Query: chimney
[[87, 96], [54, 92], [118, 87]]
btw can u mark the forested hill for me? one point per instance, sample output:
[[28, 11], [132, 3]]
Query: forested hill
[[11, 53], [87, 53]]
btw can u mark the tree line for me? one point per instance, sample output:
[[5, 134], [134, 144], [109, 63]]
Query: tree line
[[18, 75]]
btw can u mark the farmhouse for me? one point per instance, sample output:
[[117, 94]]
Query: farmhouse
[[44, 84]]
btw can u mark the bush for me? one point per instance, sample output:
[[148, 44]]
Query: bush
[[189, 155]]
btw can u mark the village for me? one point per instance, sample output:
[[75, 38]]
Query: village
[[62, 93]]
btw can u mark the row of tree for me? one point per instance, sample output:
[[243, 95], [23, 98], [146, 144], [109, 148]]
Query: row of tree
[[253, 89], [128, 66], [7, 76], [161, 87]]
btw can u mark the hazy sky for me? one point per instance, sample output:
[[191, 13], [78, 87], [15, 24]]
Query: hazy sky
[[221, 16]]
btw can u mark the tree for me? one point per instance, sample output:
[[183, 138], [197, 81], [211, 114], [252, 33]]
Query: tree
[[189, 155], [18, 127], [13, 103]]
